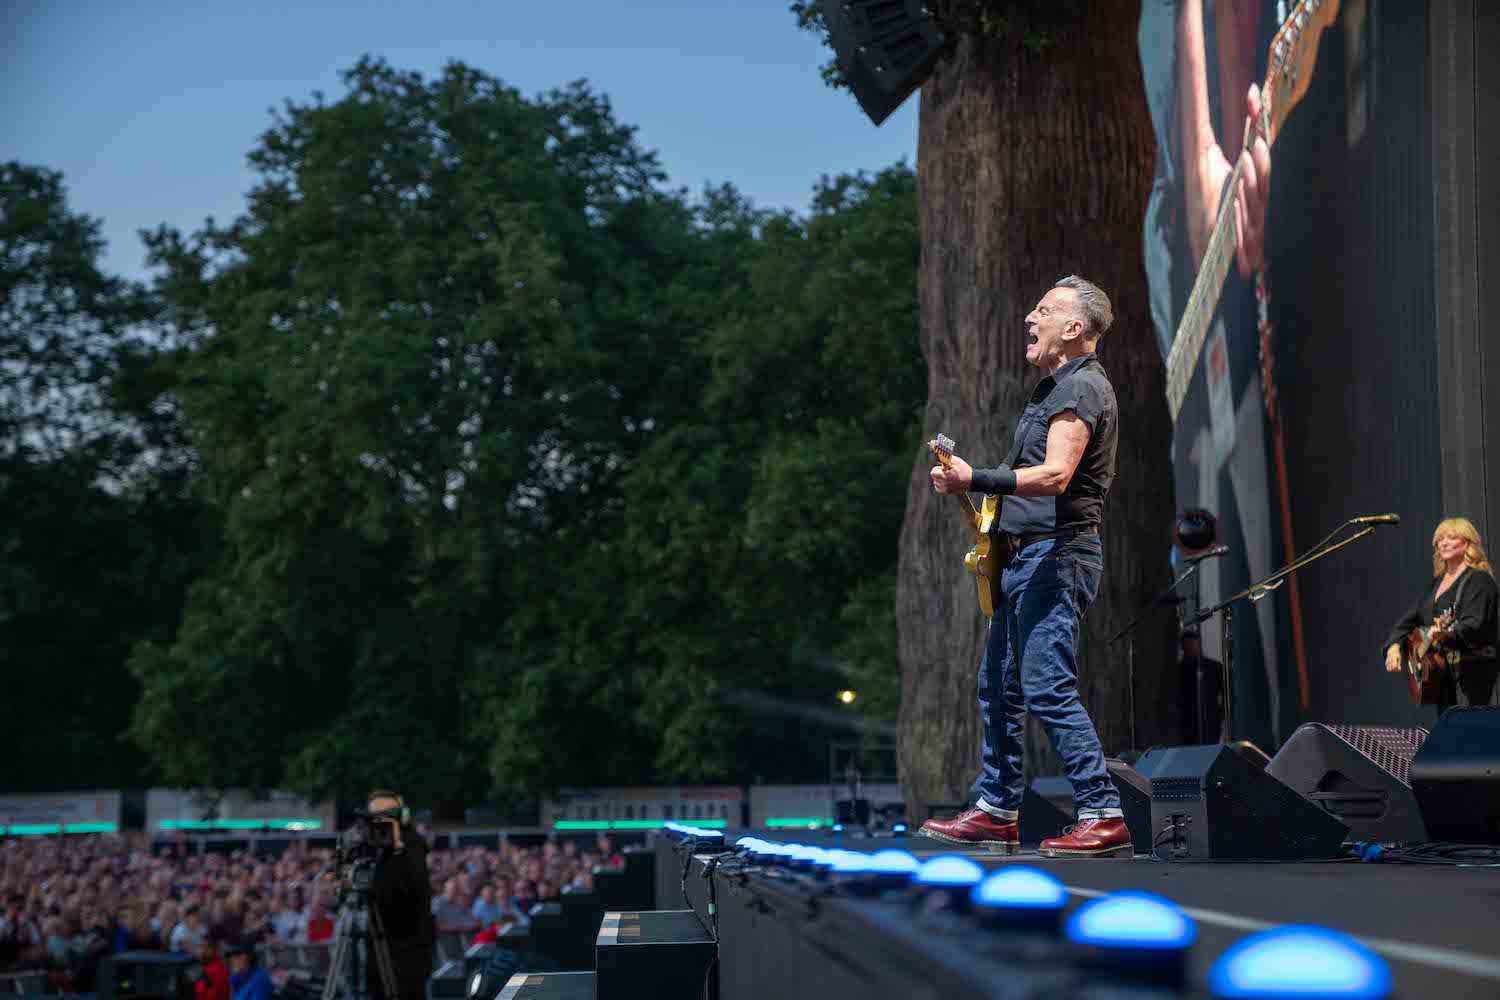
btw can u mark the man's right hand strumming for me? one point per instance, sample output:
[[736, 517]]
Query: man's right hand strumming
[[1393, 659]]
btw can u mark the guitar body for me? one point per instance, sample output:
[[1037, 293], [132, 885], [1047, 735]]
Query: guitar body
[[1425, 664], [991, 551], [988, 558]]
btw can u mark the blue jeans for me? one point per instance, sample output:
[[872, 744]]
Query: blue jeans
[[1030, 665]]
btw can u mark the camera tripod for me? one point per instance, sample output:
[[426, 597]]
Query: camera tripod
[[358, 933]]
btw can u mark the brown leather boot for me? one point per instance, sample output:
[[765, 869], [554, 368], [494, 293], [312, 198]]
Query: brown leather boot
[[1091, 838], [976, 828]]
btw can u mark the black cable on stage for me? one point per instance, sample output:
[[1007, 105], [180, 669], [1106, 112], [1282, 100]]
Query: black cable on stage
[[1437, 853], [713, 916], [687, 862]]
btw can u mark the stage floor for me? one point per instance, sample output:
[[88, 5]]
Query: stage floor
[[1435, 925]]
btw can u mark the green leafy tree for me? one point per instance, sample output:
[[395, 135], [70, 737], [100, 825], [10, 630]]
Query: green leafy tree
[[98, 529], [413, 370], [531, 471]]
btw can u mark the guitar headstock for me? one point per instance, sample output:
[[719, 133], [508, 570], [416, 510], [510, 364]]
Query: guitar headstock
[[1294, 53], [942, 448]]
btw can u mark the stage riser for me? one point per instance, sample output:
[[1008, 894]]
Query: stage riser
[[786, 936]]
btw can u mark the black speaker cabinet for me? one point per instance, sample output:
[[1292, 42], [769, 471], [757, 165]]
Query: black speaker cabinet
[[1135, 802], [1209, 802], [1361, 774], [657, 955], [549, 986], [1046, 809], [155, 975], [885, 48], [1456, 777]]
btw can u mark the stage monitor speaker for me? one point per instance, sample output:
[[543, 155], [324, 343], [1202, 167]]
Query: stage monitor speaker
[[1210, 802], [1046, 809], [1456, 776], [147, 975], [885, 49], [1361, 774], [1135, 802]]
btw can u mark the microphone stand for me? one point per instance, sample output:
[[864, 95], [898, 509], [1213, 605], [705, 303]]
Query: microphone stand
[[1128, 632], [1255, 592]]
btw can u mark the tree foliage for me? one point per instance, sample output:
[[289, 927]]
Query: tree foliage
[[99, 532], [529, 470]]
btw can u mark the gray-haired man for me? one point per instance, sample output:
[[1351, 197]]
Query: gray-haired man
[[1063, 462]]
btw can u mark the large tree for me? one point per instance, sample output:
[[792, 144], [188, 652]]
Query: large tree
[[524, 459], [1034, 161]]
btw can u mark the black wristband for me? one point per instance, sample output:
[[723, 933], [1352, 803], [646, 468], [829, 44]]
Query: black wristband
[[1001, 481]]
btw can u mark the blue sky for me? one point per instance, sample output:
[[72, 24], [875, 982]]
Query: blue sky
[[149, 108]]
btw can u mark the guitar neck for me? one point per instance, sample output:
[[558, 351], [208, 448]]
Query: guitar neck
[[1294, 53], [1193, 330]]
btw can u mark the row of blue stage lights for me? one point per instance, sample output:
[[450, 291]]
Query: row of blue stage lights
[[697, 832], [1130, 928]]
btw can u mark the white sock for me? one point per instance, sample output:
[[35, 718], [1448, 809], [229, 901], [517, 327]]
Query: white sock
[[1008, 815], [1084, 814]]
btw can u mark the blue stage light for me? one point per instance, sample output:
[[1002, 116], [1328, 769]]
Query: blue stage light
[[838, 828], [848, 862], [804, 856], [899, 828], [747, 842], [894, 862], [1300, 961], [948, 871], [1020, 888], [1132, 921]]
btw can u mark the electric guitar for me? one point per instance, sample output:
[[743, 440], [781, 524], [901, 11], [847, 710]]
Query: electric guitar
[[990, 553], [1424, 664]]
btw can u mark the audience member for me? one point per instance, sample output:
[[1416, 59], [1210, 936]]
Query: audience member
[[214, 984], [249, 981], [65, 902]]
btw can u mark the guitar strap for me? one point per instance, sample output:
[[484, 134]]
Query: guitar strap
[[1006, 552], [1458, 594], [1015, 450]]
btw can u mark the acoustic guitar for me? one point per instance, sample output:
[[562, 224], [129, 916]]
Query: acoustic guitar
[[990, 552], [1424, 662]]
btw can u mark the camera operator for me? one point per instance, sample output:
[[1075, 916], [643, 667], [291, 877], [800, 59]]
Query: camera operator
[[400, 893]]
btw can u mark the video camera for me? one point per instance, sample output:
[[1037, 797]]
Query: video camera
[[361, 847]]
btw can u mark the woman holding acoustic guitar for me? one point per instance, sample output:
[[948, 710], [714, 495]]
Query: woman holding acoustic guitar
[[1457, 616]]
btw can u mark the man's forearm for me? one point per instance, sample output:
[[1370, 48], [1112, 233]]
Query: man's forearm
[[1032, 481], [994, 482]]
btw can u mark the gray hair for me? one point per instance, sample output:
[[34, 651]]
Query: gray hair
[[1093, 305]]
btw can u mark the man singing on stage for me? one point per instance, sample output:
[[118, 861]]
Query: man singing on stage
[[1062, 464]]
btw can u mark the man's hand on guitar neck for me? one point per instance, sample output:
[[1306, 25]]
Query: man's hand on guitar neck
[[956, 477]]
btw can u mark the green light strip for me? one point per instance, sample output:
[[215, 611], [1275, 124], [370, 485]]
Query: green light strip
[[90, 828], [294, 825], [241, 824], [629, 824], [789, 821], [33, 829]]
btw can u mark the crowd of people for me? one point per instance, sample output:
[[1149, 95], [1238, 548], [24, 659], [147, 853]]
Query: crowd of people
[[67, 903]]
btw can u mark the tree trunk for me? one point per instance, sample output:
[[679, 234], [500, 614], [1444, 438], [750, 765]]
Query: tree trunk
[[1034, 162]]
